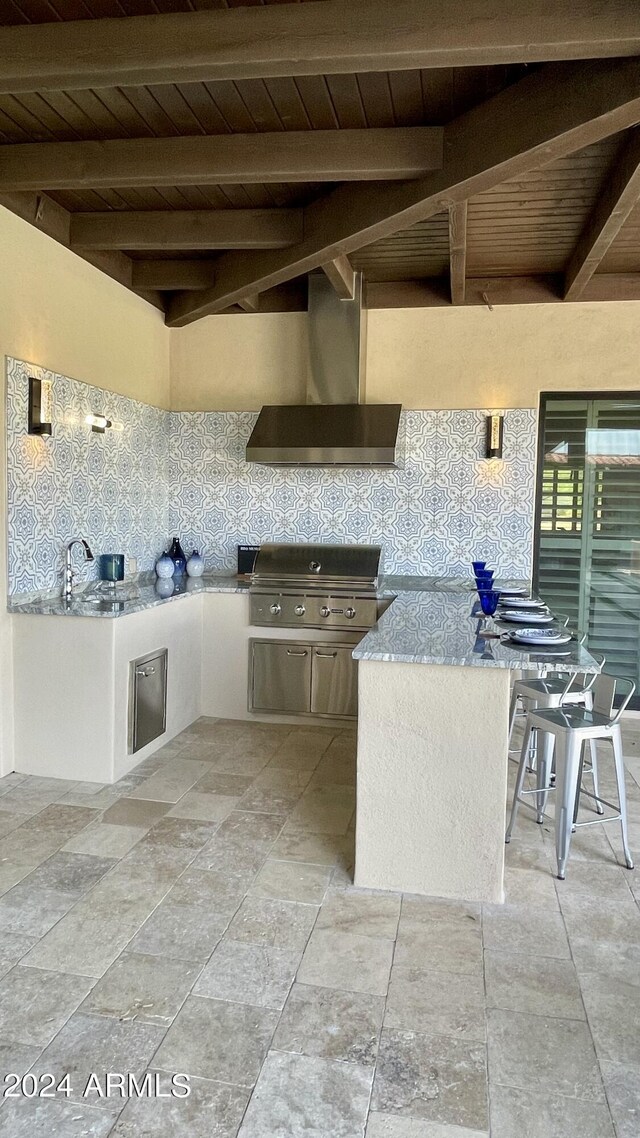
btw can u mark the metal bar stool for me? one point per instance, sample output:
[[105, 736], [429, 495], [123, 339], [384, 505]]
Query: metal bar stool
[[566, 731], [520, 695]]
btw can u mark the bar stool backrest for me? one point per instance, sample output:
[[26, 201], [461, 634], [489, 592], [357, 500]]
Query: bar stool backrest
[[604, 693], [582, 679]]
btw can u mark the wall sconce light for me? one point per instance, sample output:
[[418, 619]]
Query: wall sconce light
[[98, 423], [495, 432], [40, 404]]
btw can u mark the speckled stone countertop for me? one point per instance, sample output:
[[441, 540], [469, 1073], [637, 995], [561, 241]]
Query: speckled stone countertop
[[145, 592], [438, 623]]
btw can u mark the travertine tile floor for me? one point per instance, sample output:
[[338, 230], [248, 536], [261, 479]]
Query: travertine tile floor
[[198, 918]]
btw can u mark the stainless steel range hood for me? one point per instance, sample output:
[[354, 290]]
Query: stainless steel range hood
[[334, 427]]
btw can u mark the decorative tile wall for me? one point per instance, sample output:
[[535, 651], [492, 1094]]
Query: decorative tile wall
[[111, 489], [448, 503], [156, 474]]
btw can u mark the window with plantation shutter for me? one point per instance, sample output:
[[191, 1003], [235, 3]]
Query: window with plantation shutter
[[588, 534]]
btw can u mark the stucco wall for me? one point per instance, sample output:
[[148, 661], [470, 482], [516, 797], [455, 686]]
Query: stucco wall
[[434, 358], [61, 313]]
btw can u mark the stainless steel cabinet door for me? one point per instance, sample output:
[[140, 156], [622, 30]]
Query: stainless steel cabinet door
[[281, 676], [148, 710], [334, 685]]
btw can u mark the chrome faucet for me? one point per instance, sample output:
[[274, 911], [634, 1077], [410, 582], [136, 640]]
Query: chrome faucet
[[69, 575]]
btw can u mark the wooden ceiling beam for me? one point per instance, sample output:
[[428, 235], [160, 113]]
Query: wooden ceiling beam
[[490, 292], [336, 36], [621, 193], [250, 303], [457, 251], [342, 275], [556, 111], [288, 156], [187, 229], [50, 218], [170, 275]]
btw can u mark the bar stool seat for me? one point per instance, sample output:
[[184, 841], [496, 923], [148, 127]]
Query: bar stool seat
[[564, 733]]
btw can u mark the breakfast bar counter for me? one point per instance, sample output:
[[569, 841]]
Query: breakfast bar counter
[[433, 744]]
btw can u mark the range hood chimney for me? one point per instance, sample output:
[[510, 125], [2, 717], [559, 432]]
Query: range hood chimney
[[335, 427]]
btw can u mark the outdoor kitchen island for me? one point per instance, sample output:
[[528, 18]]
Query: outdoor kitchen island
[[432, 744]]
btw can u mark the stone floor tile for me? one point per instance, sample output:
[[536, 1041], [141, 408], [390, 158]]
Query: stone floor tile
[[105, 840], [180, 932], [203, 806], [323, 810], [9, 820], [604, 936], [420, 911], [596, 879], [135, 812], [89, 1043], [343, 960], [32, 912], [270, 799], [291, 881], [211, 1110], [17, 1058], [519, 1113], [302, 1097], [44, 1117], [394, 1126], [331, 1024], [35, 1004], [436, 1003], [523, 929], [280, 924], [533, 887], [612, 1005], [367, 914], [544, 1055], [178, 833], [541, 986], [13, 946], [441, 946], [170, 782], [317, 849], [41, 836], [11, 874], [212, 1039], [241, 843], [431, 1077], [219, 782], [71, 873], [622, 1085], [249, 974], [148, 989]]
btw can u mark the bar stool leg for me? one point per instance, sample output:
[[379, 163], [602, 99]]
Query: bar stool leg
[[513, 707], [616, 740], [568, 751], [522, 769], [593, 748], [544, 768]]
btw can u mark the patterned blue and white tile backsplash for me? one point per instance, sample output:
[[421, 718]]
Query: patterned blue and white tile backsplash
[[160, 473], [447, 504], [111, 489]]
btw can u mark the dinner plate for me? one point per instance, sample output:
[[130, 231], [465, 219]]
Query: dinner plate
[[517, 593], [514, 602], [512, 616], [550, 637]]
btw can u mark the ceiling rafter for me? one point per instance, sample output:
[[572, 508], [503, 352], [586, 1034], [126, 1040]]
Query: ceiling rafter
[[457, 251], [223, 159], [621, 193], [336, 36], [187, 229], [342, 275], [554, 112], [489, 291]]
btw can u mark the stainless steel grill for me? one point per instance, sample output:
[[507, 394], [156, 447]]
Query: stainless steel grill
[[316, 586]]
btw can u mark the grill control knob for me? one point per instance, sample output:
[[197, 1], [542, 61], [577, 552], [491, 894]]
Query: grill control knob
[[350, 613], [324, 611], [275, 609], [299, 610]]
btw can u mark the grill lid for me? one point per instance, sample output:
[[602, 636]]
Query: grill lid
[[326, 565]]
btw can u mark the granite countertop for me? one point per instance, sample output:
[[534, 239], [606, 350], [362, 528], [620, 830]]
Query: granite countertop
[[144, 592], [439, 624], [432, 620]]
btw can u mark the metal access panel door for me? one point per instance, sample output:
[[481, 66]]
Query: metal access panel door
[[334, 684], [147, 699], [280, 676]]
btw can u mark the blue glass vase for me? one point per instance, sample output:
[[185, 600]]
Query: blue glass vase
[[195, 564], [176, 554]]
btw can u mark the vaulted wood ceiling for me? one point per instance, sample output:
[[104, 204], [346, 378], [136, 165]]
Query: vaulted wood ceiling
[[208, 154]]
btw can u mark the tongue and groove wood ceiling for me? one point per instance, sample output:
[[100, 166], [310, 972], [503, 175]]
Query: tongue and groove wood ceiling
[[208, 154]]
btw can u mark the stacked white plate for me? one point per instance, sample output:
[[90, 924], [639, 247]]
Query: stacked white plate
[[518, 616], [536, 636]]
